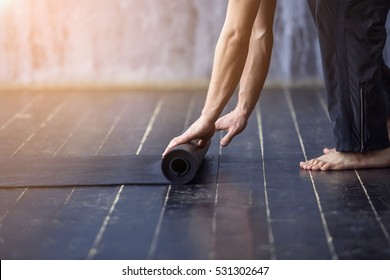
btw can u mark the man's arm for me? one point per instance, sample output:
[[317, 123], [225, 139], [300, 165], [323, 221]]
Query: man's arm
[[254, 74], [229, 62], [230, 56]]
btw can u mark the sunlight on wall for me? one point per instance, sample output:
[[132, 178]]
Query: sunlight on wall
[[4, 3], [112, 41], [132, 41]]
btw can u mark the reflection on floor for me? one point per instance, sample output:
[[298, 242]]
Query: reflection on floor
[[260, 205]]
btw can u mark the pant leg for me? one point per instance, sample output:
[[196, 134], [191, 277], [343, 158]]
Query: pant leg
[[386, 70], [352, 35], [386, 86]]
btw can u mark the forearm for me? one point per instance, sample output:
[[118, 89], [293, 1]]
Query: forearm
[[230, 56], [255, 71], [258, 59]]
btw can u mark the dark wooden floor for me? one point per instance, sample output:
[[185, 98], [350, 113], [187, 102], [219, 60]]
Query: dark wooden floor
[[262, 206]]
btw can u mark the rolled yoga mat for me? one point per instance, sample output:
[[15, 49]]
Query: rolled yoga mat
[[46, 171], [182, 163]]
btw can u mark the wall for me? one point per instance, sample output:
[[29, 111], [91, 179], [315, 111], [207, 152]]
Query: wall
[[133, 41], [70, 41]]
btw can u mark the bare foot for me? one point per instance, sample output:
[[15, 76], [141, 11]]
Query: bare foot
[[334, 160]]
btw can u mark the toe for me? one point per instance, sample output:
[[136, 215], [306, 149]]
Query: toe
[[312, 164], [305, 164], [315, 167], [318, 166], [327, 150], [326, 166]]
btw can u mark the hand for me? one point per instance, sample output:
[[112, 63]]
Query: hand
[[234, 123], [202, 130]]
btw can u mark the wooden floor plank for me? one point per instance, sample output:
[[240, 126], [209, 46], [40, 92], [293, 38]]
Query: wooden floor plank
[[127, 135], [170, 122], [15, 105], [187, 222], [24, 125], [295, 218], [241, 221], [130, 230], [8, 199], [50, 137], [104, 111], [72, 233], [25, 227], [377, 186]]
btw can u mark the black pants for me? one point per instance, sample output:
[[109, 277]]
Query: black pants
[[352, 36]]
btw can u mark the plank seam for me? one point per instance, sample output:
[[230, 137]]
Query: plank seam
[[153, 244], [271, 238], [329, 238], [150, 125], [378, 219], [94, 249]]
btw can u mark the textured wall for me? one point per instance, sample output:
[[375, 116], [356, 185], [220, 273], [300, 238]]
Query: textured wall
[[124, 41], [106, 40]]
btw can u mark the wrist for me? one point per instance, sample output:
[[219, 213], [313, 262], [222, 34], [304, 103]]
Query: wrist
[[243, 112], [209, 116]]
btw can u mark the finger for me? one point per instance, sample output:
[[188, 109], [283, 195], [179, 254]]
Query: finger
[[175, 142], [220, 125], [227, 138], [167, 149]]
